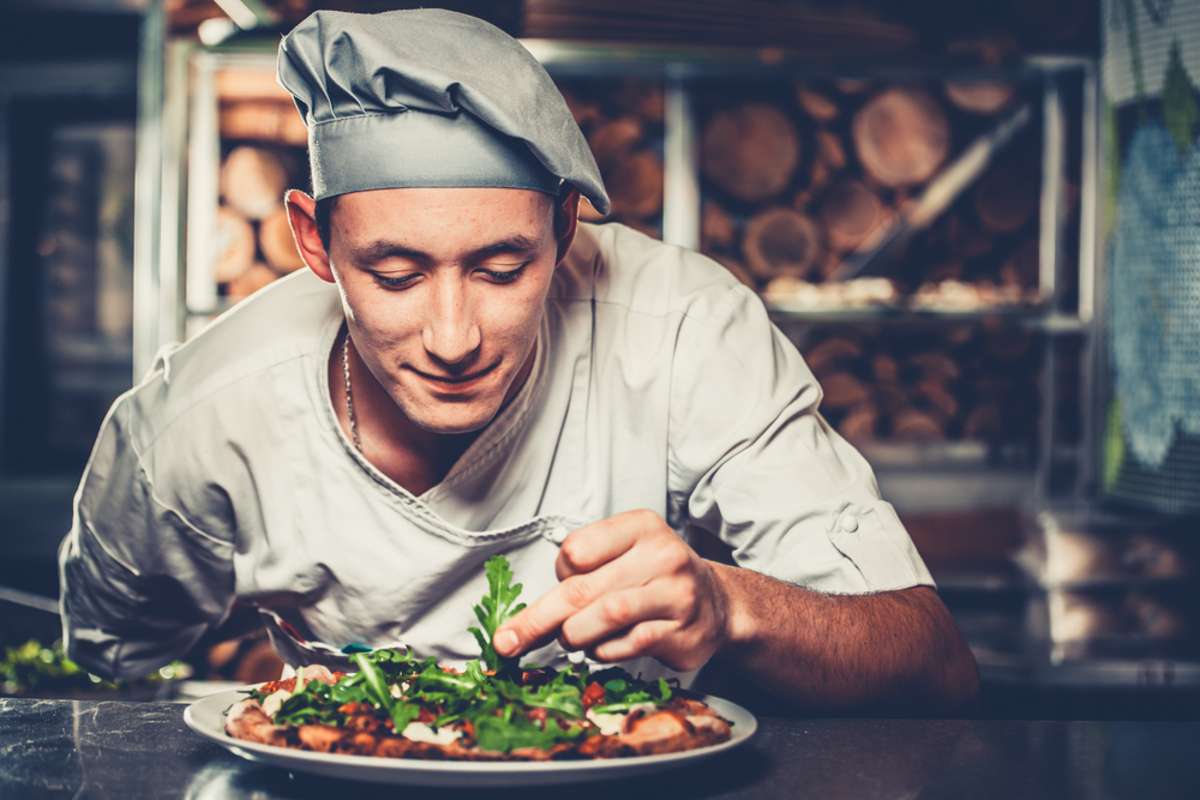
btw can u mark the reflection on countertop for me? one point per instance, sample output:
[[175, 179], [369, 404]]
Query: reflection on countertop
[[51, 748]]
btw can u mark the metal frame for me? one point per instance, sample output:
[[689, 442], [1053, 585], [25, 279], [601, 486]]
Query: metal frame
[[1090, 280], [1050, 228], [147, 193], [681, 173]]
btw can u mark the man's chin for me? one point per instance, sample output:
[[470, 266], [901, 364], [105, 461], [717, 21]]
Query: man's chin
[[459, 421]]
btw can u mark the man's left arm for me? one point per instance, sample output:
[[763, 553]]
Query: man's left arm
[[630, 587]]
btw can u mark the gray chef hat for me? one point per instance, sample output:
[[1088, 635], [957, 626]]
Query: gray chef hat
[[428, 97]]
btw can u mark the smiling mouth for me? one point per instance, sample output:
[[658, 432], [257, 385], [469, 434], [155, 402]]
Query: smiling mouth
[[455, 380]]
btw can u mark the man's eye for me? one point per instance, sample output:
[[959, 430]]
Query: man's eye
[[504, 276], [395, 282]]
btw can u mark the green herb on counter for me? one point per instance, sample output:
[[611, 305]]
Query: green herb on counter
[[34, 666]]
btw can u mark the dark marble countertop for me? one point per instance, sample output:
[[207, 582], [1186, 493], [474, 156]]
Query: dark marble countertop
[[62, 748]]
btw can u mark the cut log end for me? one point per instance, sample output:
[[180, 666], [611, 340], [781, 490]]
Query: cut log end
[[750, 151], [636, 185], [850, 213], [781, 241], [253, 180], [612, 141], [902, 136]]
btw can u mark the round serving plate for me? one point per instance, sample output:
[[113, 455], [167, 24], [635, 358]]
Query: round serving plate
[[207, 718]]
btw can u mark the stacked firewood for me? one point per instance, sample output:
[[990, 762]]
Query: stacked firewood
[[968, 382], [263, 140], [623, 122], [799, 178], [253, 244]]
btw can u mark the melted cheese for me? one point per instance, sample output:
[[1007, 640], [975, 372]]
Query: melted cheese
[[420, 732]]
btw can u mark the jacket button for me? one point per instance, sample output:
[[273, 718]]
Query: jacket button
[[849, 523]]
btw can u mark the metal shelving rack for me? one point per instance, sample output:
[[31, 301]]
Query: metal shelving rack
[[952, 475], [189, 197]]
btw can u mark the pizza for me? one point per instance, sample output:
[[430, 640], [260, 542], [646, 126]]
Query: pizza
[[399, 705]]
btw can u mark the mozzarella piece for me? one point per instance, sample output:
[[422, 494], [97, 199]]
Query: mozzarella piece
[[420, 732], [609, 724], [272, 702], [612, 724], [316, 672]]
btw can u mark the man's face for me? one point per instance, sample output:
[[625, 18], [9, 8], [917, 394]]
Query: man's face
[[443, 290]]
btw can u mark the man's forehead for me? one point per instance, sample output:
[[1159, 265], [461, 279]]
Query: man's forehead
[[442, 221]]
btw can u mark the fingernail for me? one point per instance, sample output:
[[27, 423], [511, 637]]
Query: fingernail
[[505, 642]]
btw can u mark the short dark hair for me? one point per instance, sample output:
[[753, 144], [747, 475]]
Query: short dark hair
[[321, 214]]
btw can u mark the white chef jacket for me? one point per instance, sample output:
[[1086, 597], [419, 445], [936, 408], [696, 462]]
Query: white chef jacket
[[659, 383]]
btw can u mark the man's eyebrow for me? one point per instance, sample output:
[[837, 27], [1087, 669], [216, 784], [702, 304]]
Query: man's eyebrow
[[381, 249]]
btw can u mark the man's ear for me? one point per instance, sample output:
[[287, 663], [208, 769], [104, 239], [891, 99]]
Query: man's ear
[[302, 217], [566, 220]]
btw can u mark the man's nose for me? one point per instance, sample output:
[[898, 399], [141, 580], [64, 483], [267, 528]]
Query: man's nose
[[451, 335]]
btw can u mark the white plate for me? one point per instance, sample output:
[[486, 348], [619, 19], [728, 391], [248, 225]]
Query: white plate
[[207, 718]]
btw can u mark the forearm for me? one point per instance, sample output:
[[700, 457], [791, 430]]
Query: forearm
[[834, 652]]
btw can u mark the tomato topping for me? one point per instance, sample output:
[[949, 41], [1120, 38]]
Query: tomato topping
[[270, 687], [593, 695], [537, 714]]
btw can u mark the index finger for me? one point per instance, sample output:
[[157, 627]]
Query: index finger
[[590, 547], [539, 622]]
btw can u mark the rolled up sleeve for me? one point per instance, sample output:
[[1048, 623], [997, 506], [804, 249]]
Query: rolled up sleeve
[[753, 462], [140, 584]]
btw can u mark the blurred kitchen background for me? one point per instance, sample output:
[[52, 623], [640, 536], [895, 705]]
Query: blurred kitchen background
[[980, 222]]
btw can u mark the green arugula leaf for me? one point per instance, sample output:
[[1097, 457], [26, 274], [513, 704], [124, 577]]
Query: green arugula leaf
[[376, 685], [555, 695], [402, 714], [510, 731], [494, 609], [350, 689], [623, 691], [314, 703]]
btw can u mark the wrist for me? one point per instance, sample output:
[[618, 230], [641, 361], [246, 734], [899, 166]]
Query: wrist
[[739, 623]]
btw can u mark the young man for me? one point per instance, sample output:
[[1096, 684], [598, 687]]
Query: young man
[[464, 370]]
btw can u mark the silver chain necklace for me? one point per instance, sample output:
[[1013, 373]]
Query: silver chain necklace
[[350, 393]]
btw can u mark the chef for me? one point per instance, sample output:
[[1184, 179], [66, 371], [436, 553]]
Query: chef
[[466, 370]]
